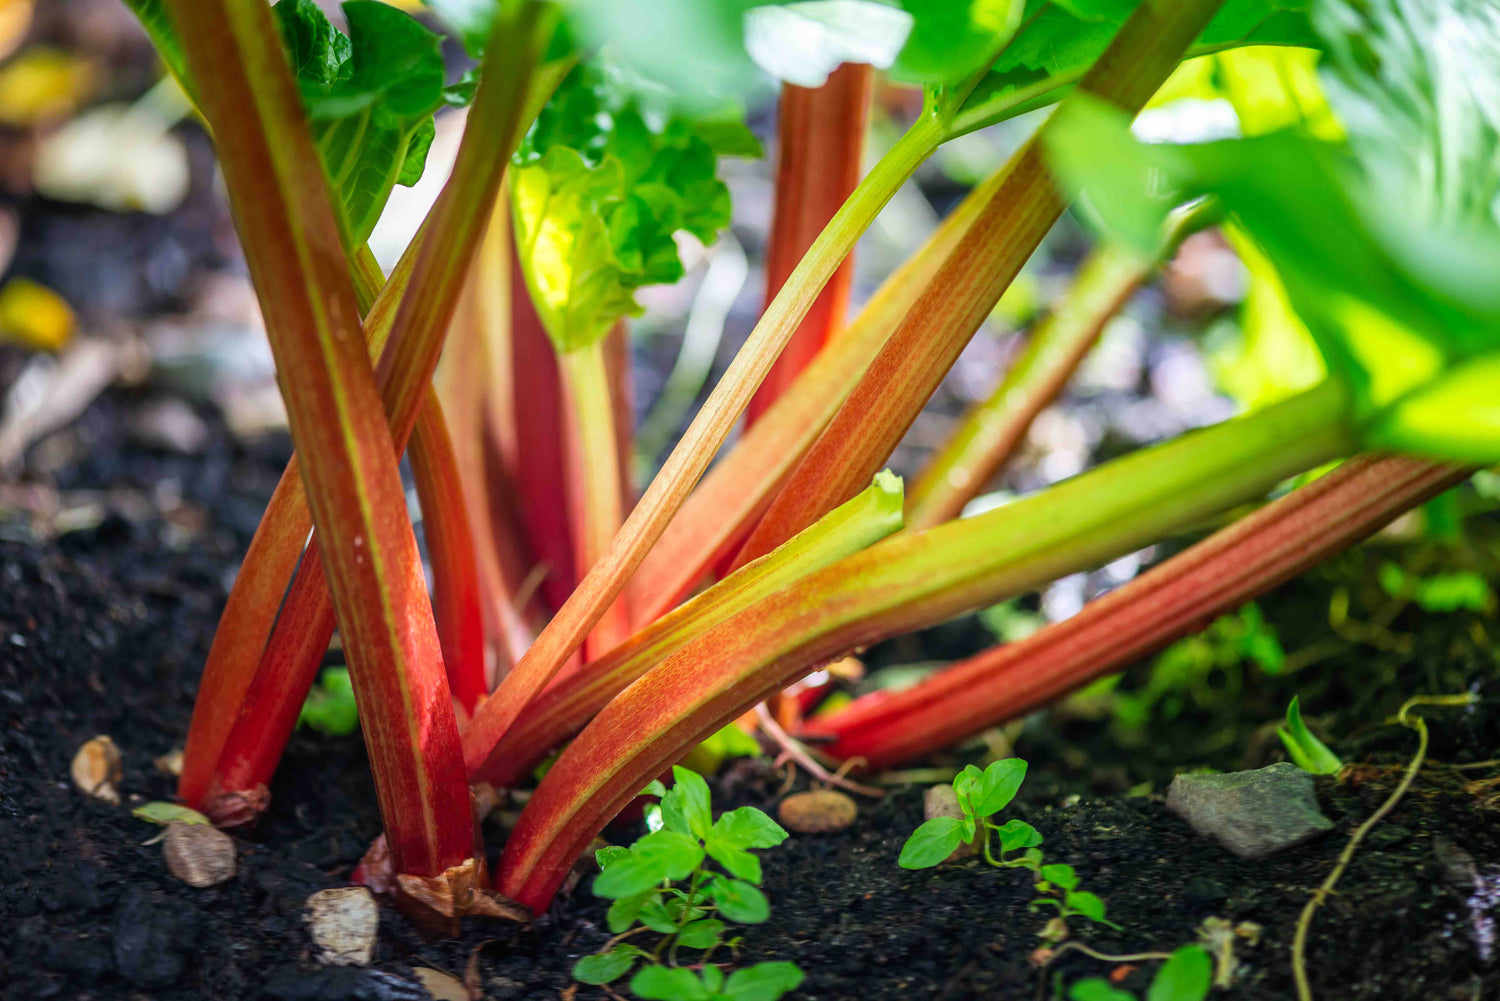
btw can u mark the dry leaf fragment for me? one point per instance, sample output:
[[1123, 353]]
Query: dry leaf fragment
[[817, 811], [441, 986], [96, 769], [198, 854]]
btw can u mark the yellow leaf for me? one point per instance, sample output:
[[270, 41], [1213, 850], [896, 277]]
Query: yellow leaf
[[43, 84], [34, 316]]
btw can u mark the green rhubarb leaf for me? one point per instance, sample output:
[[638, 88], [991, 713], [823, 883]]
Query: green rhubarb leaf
[[158, 24], [1186, 976], [599, 194], [931, 843], [655, 858], [1057, 42], [802, 43], [369, 98], [763, 981], [953, 39]]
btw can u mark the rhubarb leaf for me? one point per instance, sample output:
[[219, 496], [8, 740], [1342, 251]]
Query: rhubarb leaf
[[801, 43], [599, 194], [952, 39], [369, 98]]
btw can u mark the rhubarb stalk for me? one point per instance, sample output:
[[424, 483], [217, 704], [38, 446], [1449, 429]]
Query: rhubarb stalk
[[992, 428], [901, 379], [291, 243], [1178, 597], [821, 133], [906, 582]]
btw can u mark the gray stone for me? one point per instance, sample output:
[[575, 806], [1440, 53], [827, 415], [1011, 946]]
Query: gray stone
[[1251, 813]]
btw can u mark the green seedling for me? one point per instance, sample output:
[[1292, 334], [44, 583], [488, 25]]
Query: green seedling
[[1459, 591], [1306, 751], [330, 705], [980, 796], [640, 880], [1186, 976]]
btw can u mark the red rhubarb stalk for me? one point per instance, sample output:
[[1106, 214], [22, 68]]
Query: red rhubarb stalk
[[902, 378], [820, 132], [1178, 597], [565, 707], [905, 582], [291, 242], [735, 493], [992, 429]]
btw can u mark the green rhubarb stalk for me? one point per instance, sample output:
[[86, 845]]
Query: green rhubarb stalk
[[992, 429], [1177, 597], [906, 582], [725, 506], [607, 578], [922, 350], [291, 241], [566, 706]]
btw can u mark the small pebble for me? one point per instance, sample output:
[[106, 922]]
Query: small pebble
[[96, 769], [198, 854], [941, 801], [343, 923], [1250, 813], [817, 811]]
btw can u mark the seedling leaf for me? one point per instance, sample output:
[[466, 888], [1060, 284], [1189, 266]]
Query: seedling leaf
[[1016, 834], [701, 934], [1097, 989], [162, 812], [735, 861], [931, 843], [1063, 875], [660, 983], [1187, 976], [685, 808], [747, 827], [658, 856], [624, 911], [763, 981], [1306, 751], [1087, 904], [739, 901], [999, 785], [606, 966]]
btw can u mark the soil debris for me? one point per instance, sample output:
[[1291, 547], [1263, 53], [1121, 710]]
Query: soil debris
[[96, 769], [343, 923], [198, 854]]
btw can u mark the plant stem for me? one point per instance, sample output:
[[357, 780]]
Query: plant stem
[[1299, 941], [1171, 600], [992, 429], [964, 292], [291, 242], [902, 583], [609, 575], [598, 508], [820, 132]]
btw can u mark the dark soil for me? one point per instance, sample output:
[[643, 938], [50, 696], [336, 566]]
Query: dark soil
[[103, 631]]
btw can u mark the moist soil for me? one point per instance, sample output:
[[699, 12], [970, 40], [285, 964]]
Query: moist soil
[[103, 630]]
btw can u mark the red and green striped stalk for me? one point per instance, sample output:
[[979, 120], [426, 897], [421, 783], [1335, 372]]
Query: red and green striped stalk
[[994, 427], [288, 664], [291, 243], [450, 546], [567, 705], [735, 493], [1178, 597], [902, 378], [820, 133], [607, 578], [906, 582]]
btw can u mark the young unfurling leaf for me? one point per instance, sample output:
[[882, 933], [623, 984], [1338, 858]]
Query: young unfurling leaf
[[599, 194], [369, 98]]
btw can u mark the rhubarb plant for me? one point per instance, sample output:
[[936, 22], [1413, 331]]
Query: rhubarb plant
[[590, 150]]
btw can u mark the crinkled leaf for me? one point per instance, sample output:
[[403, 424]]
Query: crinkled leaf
[[931, 843], [369, 98], [738, 900], [747, 827], [1187, 976], [999, 785], [599, 193], [802, 43], [659, 856], [606, 966], [763, 981], [661, 983], [701, 934]]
